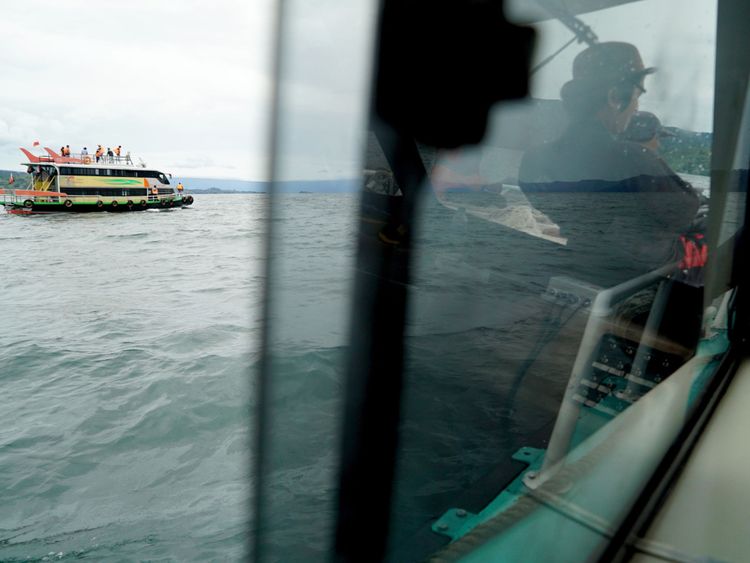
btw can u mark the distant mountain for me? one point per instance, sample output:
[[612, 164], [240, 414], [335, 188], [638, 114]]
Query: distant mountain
[[221, 191], [220, 185], [687, 152], [19, 177]]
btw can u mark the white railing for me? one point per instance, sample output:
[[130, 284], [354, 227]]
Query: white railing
[[91, 158]]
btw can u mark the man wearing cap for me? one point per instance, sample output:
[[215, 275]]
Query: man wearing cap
[[621, 208]]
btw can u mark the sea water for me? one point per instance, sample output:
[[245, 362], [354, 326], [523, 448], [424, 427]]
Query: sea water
[[128, 357], [127, 349], [128, 361]]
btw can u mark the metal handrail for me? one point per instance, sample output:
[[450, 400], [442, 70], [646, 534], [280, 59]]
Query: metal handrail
[[567, 417], [124, 159]]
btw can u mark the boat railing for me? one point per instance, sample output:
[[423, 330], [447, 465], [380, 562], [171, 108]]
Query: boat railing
[[91, 158], [19, 196], [86, 159], [601, 308]]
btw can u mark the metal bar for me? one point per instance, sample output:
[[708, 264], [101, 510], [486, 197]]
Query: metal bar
[[570, 409], [642, 355]]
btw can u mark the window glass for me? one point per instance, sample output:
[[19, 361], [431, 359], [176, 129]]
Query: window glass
[[322, 104], [560, 272], [557, 332], [734, 210]]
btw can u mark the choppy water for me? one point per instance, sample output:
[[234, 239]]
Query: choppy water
[[125, 355]]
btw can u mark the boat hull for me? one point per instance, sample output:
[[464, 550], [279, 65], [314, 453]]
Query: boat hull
[[30, 207]]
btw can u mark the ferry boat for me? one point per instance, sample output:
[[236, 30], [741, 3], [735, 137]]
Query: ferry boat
[[81, 183]]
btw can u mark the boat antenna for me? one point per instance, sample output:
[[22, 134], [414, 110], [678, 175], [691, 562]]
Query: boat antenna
[[582, 33]]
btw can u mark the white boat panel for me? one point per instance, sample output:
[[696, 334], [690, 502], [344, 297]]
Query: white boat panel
[[708, 513]]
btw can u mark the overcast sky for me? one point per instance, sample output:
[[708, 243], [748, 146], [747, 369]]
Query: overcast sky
[[676, 36], [185, 85]]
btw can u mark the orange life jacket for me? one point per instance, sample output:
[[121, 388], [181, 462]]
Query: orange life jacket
[[695, 251]]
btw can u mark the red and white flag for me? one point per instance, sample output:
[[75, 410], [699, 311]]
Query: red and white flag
[[35, 144], [11, 179]]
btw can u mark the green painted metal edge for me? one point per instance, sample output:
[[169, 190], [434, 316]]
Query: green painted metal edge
[[456, 522], [715, 346]]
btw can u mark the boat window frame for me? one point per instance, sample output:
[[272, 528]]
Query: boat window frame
[[732, 61]]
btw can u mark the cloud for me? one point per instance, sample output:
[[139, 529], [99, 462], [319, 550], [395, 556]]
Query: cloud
[[187, 85], [677, 36], [152, 76]]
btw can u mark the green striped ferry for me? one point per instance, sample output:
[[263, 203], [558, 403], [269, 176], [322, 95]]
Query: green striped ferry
[[83, 183]]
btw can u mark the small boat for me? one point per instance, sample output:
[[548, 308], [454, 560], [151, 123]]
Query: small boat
[[82, 183]]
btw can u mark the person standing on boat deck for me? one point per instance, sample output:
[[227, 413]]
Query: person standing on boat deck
[[99, 152], [85, 152], [67, 150], [127, 158], [110, 155], [117, 152], [620, 207]]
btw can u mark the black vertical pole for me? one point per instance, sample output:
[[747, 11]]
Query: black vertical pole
[[376, 363]]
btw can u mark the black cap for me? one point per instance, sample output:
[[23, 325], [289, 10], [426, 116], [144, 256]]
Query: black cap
[[610, 63]]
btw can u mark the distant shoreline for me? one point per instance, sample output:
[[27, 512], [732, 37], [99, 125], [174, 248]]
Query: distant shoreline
[[211, 191], [247, 192]]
